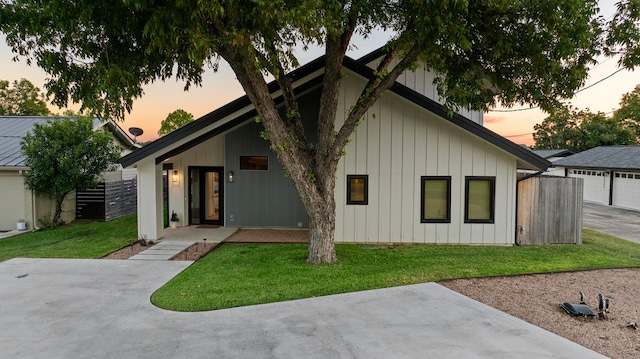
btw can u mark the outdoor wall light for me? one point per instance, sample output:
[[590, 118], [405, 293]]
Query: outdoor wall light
[[230, 176], [175, 176]]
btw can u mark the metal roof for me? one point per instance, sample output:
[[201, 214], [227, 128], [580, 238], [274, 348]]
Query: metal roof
[[12, 131], [606, 157]]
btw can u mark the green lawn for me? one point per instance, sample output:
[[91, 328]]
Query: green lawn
[[78, 240], [246, 274]]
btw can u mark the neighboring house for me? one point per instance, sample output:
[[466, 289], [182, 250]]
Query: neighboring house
[[16, 201], [551, 156], [411, 174], [611, 174]]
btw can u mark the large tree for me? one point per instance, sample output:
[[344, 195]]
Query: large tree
[[64, 155], [22, 98], [102, 52], [174, 121], [579, 130]]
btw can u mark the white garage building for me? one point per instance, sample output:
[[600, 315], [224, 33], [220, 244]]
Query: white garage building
[[611, 174]]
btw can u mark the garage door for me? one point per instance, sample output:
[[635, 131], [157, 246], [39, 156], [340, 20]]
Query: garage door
[[626, 190], [596, 185]]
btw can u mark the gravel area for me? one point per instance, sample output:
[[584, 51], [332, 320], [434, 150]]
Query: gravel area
[[536, 299]]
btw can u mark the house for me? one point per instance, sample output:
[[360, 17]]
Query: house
[[16, 201], [611, 174], [551, 156], [412, 172]]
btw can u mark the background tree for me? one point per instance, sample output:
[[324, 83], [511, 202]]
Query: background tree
[[629, 111], [23, 99], [557, 131], [102, 52], [65, 155], [579, 130], [174, 120]]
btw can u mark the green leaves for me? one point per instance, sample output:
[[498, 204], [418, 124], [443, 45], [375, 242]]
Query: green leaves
[[23, 99], [577, 131], [174, 120], [67, 154]]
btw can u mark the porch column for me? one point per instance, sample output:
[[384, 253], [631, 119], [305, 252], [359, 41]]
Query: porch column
[[150, 223]]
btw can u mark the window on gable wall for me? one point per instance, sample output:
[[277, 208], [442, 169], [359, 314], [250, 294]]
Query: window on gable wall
[[435, 199], [479, 199], [358, 189]]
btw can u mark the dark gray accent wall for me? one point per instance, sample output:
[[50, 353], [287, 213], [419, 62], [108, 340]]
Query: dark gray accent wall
[[264, 198]]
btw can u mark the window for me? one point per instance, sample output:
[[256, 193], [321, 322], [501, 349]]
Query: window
[[259, 163], [435, 202], [357, 189], [479, 199]]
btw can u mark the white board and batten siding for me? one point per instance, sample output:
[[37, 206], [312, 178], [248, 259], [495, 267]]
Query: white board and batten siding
[[421, 81], [397, 144]]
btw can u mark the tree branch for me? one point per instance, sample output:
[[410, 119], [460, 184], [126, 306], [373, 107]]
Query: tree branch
[[377, 85]]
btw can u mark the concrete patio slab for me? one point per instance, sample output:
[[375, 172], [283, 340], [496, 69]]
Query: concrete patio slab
[[66, 308]]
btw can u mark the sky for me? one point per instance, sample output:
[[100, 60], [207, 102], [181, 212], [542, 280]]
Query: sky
[[161, 98]]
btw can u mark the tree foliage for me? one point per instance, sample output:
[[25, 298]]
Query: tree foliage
[[22, 99], [629, 111], [64, 155], [579, 130], [174, 121], [101, 53]]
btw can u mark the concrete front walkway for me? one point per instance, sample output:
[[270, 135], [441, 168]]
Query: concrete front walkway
[[178, 239], [75, 308]]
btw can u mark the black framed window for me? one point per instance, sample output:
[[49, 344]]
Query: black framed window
[[435, 199], [255, 163], [357, 189], [480, 193]]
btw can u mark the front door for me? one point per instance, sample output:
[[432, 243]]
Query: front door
[[206, 195]]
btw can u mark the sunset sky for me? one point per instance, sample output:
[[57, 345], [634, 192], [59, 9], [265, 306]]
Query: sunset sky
[[161, 98]]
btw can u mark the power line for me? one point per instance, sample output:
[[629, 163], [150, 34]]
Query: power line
[[577, 92], [522, 134]]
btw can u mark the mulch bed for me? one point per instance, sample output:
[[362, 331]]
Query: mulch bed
[[199, 250], [195, 252], [128, 251]]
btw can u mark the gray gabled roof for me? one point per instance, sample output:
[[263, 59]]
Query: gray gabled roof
[[552, 153], [605, 157], [14, 128], [156, 148]]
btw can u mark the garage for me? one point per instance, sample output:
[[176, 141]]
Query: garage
[[596, 184], [611, 174], [626, 190]]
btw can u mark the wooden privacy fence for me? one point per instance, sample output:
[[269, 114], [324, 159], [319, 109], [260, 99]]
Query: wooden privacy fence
[[549, 210], [108, 200]]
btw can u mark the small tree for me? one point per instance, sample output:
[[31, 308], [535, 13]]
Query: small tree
[[23, 99], [174, 121], [65, 155]]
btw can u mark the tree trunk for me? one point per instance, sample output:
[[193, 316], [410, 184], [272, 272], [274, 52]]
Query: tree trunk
[[58, 211], [321, 208]]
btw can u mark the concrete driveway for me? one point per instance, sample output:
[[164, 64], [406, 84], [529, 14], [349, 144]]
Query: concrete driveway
[[617, 222], [74, 308]]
